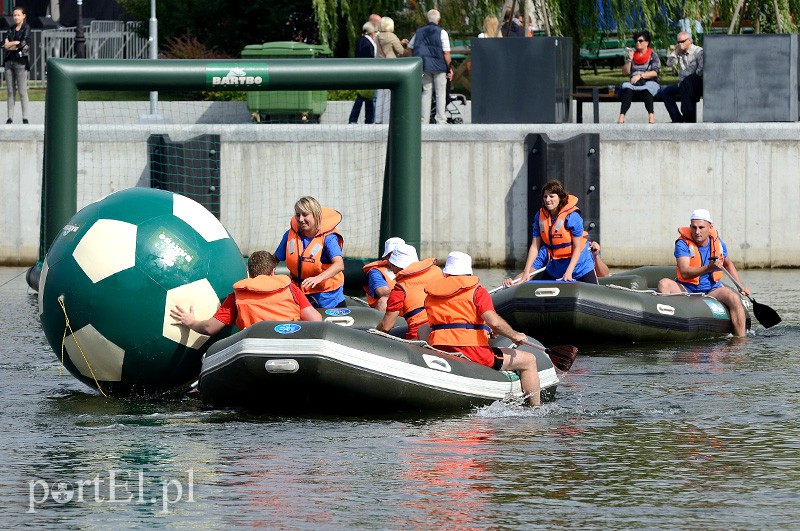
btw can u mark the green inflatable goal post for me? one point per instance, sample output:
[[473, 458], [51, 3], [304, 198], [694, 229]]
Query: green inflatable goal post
[[222, 154]]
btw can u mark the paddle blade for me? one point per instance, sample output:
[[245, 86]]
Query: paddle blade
[[765, 315], [562, 356]]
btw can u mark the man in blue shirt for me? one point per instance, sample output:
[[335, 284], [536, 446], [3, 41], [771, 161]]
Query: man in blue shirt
[[700, 255]]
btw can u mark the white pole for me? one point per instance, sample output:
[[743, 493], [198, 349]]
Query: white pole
[[153, 52]]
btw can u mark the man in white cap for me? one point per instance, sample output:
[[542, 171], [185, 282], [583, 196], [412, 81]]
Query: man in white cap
[[461, 316], [380, 279], [407, 298], [700, 255]]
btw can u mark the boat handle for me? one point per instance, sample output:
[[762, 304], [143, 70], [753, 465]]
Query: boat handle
[[342, 320], [666, 310], [547, 292], [437, 363]]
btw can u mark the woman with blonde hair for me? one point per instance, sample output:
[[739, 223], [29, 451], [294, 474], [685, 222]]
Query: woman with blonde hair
[[389, 47], [312, 250], [491, 28]]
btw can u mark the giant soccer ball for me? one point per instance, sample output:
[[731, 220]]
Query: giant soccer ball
[[111, 277]]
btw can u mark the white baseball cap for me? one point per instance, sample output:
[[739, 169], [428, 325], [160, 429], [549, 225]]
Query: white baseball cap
[[403, 256], [390, 245], [702, 214], [458, 263]]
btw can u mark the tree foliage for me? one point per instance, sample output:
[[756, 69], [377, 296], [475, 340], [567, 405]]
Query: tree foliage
[[581, 19], [228, 26]]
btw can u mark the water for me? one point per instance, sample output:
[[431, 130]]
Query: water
[[702, 435]]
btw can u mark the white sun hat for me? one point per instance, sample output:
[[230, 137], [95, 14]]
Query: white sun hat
[[702, 214], [403, 256], [390, 245], [458, 263]]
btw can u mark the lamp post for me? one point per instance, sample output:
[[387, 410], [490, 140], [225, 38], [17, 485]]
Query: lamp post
[[153, 52], [153, 41], [80, 38]]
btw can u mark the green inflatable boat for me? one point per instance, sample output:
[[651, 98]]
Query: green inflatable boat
[[623, 308], [325, 367]]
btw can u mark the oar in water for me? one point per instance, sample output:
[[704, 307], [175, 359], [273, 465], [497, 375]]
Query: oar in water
[[517, 280], [562, 356], [178, 392], [765, 315]]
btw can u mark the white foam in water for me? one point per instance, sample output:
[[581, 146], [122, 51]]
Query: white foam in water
[[504, 409]]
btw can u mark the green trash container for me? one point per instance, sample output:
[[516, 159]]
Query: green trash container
[[287, 106]]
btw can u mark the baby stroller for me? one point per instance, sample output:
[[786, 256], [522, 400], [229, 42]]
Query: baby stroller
[[451, 106]]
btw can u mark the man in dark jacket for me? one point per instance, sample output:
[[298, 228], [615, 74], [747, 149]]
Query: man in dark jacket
[[365, 48], [511, 26]]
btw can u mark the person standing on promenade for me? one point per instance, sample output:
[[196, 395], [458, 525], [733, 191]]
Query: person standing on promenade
[[432, 44], [17, 63], [365, 49]]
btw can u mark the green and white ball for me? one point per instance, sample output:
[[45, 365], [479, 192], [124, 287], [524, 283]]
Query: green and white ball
[[111, 277]]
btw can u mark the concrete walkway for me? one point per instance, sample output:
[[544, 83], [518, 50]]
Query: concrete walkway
[[336, 113]]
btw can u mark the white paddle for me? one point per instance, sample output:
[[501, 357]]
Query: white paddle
[[518, 280]]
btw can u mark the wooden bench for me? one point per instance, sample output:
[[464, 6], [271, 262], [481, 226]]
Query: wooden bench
[[584, 94]]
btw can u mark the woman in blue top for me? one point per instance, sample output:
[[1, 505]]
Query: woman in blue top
[[558, 232], [312, 250]]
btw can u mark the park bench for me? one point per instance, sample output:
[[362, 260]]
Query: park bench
[[584, 94]]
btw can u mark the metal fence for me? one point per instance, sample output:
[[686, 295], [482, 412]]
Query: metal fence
[[105, 39]]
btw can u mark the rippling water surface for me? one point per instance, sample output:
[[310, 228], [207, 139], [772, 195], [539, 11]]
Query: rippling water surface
[[652, 436]]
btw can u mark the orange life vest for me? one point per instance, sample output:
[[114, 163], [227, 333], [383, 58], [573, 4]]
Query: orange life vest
[[694, 253], [307, 262], [413, 280], [555, 235], [452, 314], [264, 298], [383, 268]]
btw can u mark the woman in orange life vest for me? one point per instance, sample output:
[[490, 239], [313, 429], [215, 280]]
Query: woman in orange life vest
[[263, 296], [408, 295], [312, 250], [558, 227], [696, 271], [380, 278], [461, 316]]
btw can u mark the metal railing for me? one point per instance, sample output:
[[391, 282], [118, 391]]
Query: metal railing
[[105, 39]]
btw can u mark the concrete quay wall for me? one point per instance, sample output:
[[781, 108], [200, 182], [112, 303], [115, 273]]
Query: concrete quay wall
[[651, 178], [474, 184]]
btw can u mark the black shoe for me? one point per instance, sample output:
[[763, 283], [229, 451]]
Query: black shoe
[[24, 120], [9, 121]]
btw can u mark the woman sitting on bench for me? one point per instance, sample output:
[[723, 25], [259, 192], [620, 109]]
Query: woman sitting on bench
[[642, 65]]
